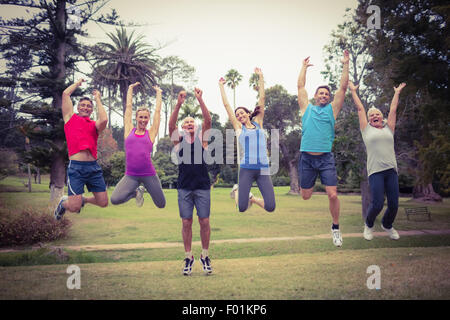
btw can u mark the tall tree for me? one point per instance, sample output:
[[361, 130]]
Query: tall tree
[[54, 51], [126, 60], [233, 78]]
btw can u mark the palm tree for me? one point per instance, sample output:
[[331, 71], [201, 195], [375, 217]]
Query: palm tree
[[232, 78], [124, 61], [190, 110]]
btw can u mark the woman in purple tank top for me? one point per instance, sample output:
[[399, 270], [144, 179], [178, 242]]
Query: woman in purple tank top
[[138, 150]]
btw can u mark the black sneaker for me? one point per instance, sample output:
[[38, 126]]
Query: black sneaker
[[60, 210], [206, 263], [188, 263]]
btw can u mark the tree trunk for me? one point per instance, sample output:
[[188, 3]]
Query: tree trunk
[[58, 71], [425, 192], [29, 177], [292, 168], [293, 175]]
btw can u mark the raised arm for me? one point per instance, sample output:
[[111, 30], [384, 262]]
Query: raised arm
[[302, 94], [359, 106], [206, 117], [392, 117], [259, 118], [102, 117], [236, 124], [339, 96], [67, 105], [173, 131], [157, 115], [128, 115]]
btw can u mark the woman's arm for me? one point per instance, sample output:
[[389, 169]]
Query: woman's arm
[[359, 106], [392, 117], [259, 118], [128, 115], [153, 132], [236, 124]]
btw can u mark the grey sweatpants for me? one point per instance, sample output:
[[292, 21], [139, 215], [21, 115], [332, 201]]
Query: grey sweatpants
[[264, 182], [126, 189]]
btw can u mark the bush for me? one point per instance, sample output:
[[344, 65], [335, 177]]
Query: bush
[[30, 227], [281, 181]]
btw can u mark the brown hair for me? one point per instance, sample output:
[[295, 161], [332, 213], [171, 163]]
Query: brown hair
[[323, 87], [252, 114], [86, 98]]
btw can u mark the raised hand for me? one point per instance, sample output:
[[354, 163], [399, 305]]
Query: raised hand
[[80, 82], [222, 81], [198, 93], [157, 88], [306, 63], [352, 87], [131, 86], [258, 71], [400, 87], [181, 97], [346, 57], [96, 94]]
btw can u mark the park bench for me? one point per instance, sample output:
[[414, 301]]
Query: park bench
[[417, 211]]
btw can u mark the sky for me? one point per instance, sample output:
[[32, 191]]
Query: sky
[[215, 36]]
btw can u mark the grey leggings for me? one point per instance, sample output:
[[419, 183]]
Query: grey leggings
[[264, 182], [126, 189]]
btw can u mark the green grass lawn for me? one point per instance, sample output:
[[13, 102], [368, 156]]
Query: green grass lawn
[[414, 267]]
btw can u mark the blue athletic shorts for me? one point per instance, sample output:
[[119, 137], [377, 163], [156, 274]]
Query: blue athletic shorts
[[81, 173], [199, 198], [309, 166]]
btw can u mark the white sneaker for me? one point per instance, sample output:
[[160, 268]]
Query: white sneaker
[[233, 191], [337, 237], [140, 196], [250, 195], [393, 234], [368, 235]]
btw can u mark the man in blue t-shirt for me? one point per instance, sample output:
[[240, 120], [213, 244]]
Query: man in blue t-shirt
[[318, 122]]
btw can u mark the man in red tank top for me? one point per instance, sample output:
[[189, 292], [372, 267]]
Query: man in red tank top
[[81, 135]]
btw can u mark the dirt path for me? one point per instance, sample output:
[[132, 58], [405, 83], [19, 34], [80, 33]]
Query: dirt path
[[159, 245]]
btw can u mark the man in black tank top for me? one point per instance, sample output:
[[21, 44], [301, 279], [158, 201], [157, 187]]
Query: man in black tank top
[[193, 180]]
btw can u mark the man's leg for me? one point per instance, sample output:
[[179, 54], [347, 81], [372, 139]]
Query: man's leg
[[205, 232], [307, 175], [187, 234], [203, 205], [334, 203], [186, 209], [328, 177]]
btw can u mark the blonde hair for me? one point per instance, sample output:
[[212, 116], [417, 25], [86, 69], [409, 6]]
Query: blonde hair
[[371, 109], [142, 109]]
